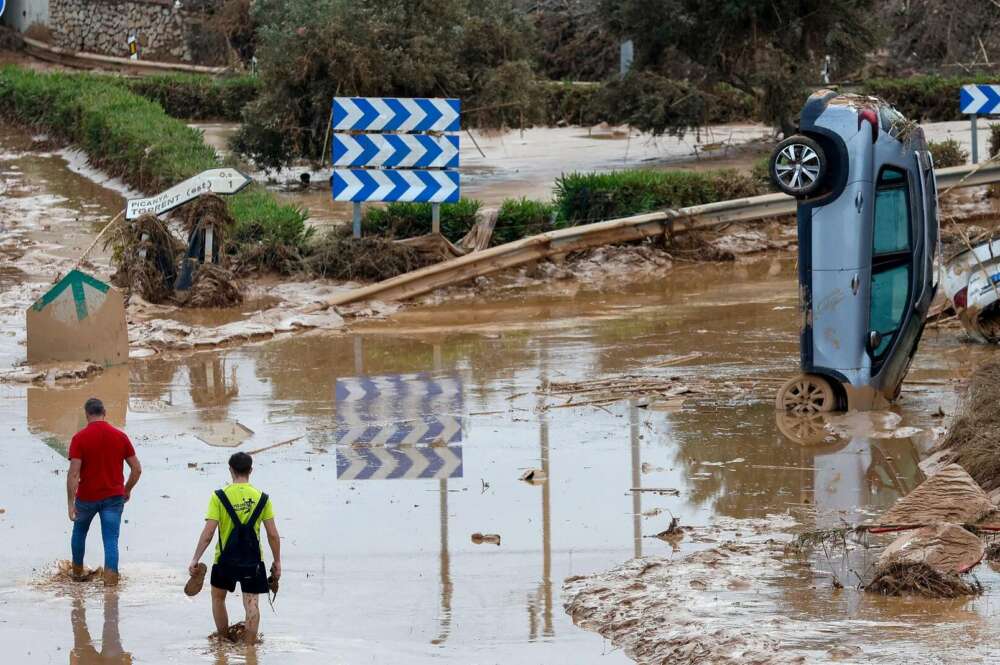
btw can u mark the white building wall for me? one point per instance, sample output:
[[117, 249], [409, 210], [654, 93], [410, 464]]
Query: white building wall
[[19, 14]]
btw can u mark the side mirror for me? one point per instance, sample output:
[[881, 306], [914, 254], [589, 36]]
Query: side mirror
[[874, 340]]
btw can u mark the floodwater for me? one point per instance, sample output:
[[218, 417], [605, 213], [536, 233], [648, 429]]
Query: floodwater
[[378, 556]]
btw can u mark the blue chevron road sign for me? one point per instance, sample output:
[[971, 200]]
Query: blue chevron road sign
[[979, 99], [389, 186], [396, 151], [399, 463], [375, 114], [413, 158]]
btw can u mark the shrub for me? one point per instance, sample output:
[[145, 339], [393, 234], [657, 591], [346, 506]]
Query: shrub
[[994, 138], [407, 220], [947, 153], [581, 198], [198, 97], [520, 218], [930, 97], [132, 138]]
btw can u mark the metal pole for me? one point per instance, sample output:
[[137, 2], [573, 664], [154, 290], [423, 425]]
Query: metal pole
[[209, 237], [633, 416], [436, 218], [358, 356], [975, 139], [357, 220]]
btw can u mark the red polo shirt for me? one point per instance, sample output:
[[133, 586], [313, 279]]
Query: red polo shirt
[[102, 449]]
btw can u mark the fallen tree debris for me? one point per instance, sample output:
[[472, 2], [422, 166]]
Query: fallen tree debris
[[915, 578]]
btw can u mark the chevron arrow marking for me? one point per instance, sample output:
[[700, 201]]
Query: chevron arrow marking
[[359, 185], [979, 99], [375, 114]]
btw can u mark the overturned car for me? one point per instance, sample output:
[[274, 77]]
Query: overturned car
[[868, 238]]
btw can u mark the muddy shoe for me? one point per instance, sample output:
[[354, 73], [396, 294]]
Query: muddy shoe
[[197, 581], [272, 584], [77, 574], [110, 578]]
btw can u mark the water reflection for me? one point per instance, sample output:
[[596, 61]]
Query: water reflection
[[55, 413], [541, 598], [84, 651]]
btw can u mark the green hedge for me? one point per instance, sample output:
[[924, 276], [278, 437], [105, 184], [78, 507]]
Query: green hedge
[[927, 98], [581, 198], [134, 139], [408, 220], [198, 97]]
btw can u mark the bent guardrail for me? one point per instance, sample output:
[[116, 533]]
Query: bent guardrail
[[626, 229]]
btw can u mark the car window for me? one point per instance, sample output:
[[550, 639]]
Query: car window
[[892, 213], [890, 289]]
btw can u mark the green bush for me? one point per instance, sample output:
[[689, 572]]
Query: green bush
[[133, 138], [581, 198], [520, 218], [947, 153], [198, 97], [408, 220], [928, 98]]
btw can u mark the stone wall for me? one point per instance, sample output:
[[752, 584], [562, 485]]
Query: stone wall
[[166, 30]]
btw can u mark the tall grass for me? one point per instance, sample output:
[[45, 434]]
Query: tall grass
[[197, 96]]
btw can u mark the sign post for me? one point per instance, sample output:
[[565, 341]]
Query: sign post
[[976, 100], [390, 149]]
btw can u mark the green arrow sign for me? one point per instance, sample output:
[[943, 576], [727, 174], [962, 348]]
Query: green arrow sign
[[74, 282]]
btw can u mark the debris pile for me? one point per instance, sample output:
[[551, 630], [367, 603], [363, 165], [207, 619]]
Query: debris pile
[[145, 253], [340, 257], [148, 257], [973, 442]]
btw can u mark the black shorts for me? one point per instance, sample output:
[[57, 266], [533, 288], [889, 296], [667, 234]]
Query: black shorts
[[225, 577]]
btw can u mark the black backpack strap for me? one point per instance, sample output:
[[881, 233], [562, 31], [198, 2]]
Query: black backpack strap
[[258, 509], [228, 506]]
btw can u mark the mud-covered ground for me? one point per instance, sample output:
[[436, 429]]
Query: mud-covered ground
[[380, 563]]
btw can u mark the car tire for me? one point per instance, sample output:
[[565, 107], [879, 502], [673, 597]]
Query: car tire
[[805, 395], [798, 166]]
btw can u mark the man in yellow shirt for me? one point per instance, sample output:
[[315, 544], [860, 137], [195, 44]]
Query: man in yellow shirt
[[238, 511]]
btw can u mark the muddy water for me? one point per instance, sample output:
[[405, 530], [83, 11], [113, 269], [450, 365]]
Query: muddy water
[[380, 568]]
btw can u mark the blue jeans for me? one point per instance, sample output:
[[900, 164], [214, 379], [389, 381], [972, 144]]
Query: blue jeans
[[110, 510]]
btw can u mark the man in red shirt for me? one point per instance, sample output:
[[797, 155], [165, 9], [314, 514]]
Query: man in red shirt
[[95, 485]]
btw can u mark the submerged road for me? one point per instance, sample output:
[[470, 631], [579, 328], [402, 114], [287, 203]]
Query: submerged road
[[380, 563]]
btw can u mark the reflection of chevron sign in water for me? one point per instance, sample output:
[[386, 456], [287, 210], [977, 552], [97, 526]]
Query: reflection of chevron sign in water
[[398, 409], [399, 463], [430, 429], [367, 387]]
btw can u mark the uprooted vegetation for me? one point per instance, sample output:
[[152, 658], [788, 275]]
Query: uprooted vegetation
[[973, 441], [148, 257]]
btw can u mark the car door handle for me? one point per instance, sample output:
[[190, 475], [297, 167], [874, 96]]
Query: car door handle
[[855, 284], [859, 202]]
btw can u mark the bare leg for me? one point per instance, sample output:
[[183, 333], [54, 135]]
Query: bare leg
[[219, 612], [252, 607]]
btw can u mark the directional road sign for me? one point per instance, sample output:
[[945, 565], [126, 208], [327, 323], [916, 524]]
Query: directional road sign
[[395, 151], [374, 114], [399, 463], [213, 181], [361, 185], [979, 99], [80, 319]]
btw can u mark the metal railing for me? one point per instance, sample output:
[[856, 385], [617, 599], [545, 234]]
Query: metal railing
[[637, 227]]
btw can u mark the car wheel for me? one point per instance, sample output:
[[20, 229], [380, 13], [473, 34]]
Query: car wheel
[[798, 166], [806, 394]]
